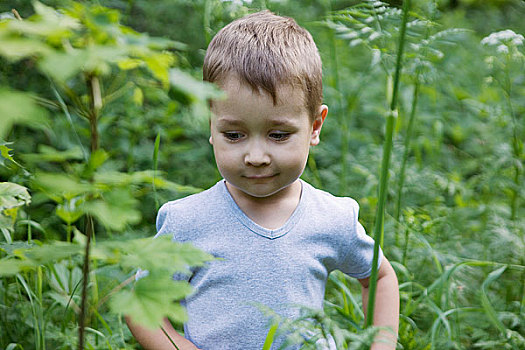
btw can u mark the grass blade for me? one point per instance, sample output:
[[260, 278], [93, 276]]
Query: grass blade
[[485, 302], [270, 337]]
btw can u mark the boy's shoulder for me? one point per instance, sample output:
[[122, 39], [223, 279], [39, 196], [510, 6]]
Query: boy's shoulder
[[192, 208], [328, 203], [197, 199]]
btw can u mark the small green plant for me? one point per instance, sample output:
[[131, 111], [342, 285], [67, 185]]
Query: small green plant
[[79, 49]]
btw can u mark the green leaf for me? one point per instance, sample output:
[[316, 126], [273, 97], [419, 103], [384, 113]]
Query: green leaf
[[14, 48], [159, 64], [52, 252], [151, 300], [47, 22], [485, 302], [116, 210], [195, 89], [5, 155], [61, 66], [151, 254], [13, 195], [58, 186], [129, 63], [10, 267], [70, 210], [18, 108], [138, 96], [6, 223], [50, 154], [115, 178]]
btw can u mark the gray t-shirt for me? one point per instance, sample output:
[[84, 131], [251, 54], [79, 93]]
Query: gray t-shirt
[[278, 268]]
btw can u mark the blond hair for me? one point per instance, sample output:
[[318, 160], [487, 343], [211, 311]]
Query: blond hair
[[265, 50]]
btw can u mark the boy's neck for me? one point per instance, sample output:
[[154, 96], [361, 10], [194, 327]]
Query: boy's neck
[[270, 212]]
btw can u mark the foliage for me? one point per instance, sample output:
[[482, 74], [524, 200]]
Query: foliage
[[77, 49], [92, 108]]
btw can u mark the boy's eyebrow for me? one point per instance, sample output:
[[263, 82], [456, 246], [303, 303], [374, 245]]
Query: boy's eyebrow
[[230, 121], [285, 122], [275, 122]]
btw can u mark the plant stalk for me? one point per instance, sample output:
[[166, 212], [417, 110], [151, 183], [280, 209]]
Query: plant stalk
[[85, 276], [408, 137], [96, 105], [383, 184]]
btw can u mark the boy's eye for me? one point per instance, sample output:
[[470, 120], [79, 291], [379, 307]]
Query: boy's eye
[[232, 136], [279, 136]]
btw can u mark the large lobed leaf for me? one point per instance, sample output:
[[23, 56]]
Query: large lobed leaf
[[151, 300]]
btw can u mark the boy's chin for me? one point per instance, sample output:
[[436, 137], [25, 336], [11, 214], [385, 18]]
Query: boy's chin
[[260, 193]]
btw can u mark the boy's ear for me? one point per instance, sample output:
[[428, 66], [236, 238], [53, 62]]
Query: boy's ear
[[318, 124]]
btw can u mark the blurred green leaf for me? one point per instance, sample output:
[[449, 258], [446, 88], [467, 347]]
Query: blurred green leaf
[[70, 210], [152, 299], [159, 64], [50, 154], [58, 186], [51, 252], [10, 267], [197, 90], [150, 254], [14, 48], [18, 108], [116, 210]]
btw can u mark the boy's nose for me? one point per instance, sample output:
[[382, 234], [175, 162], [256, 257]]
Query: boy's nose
[[256, 155]]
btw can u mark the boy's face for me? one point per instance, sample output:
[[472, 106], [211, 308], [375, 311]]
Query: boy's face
[[261, 149]]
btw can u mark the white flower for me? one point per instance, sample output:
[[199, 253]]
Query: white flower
[[373, 36], [503, 37], [503, 48], [518, 40]]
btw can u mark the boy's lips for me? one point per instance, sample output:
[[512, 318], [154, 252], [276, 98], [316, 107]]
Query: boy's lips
[[256, 177]]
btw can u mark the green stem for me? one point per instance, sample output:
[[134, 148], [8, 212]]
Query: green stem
[[406, 152], [383, 184], [169, 338], [29, 231], [85, 276], [405, 247], [96, 104]]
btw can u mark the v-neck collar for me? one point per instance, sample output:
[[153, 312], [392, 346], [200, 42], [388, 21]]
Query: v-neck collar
[[258, 229]]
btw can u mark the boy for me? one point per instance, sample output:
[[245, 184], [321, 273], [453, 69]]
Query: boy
[[278, 237]]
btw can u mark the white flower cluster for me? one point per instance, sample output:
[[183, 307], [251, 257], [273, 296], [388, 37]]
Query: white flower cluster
[[505, 42], [504, 37]]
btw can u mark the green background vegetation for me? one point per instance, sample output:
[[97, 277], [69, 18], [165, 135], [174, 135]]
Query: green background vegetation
[[100, 123]]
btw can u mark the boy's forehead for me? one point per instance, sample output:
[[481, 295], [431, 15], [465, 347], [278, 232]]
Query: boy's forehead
[[287, 94]]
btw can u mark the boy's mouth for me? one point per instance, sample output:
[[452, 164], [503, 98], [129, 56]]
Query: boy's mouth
[[257, 177]]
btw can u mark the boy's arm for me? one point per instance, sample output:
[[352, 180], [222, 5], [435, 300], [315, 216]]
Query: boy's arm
[[386, 311], [156, 339]]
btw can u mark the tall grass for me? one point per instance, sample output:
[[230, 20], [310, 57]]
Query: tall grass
[[385, 167]]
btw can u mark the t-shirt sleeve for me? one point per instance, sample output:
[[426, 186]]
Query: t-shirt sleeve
[[162, 223], [166, 227], [357, 261]]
